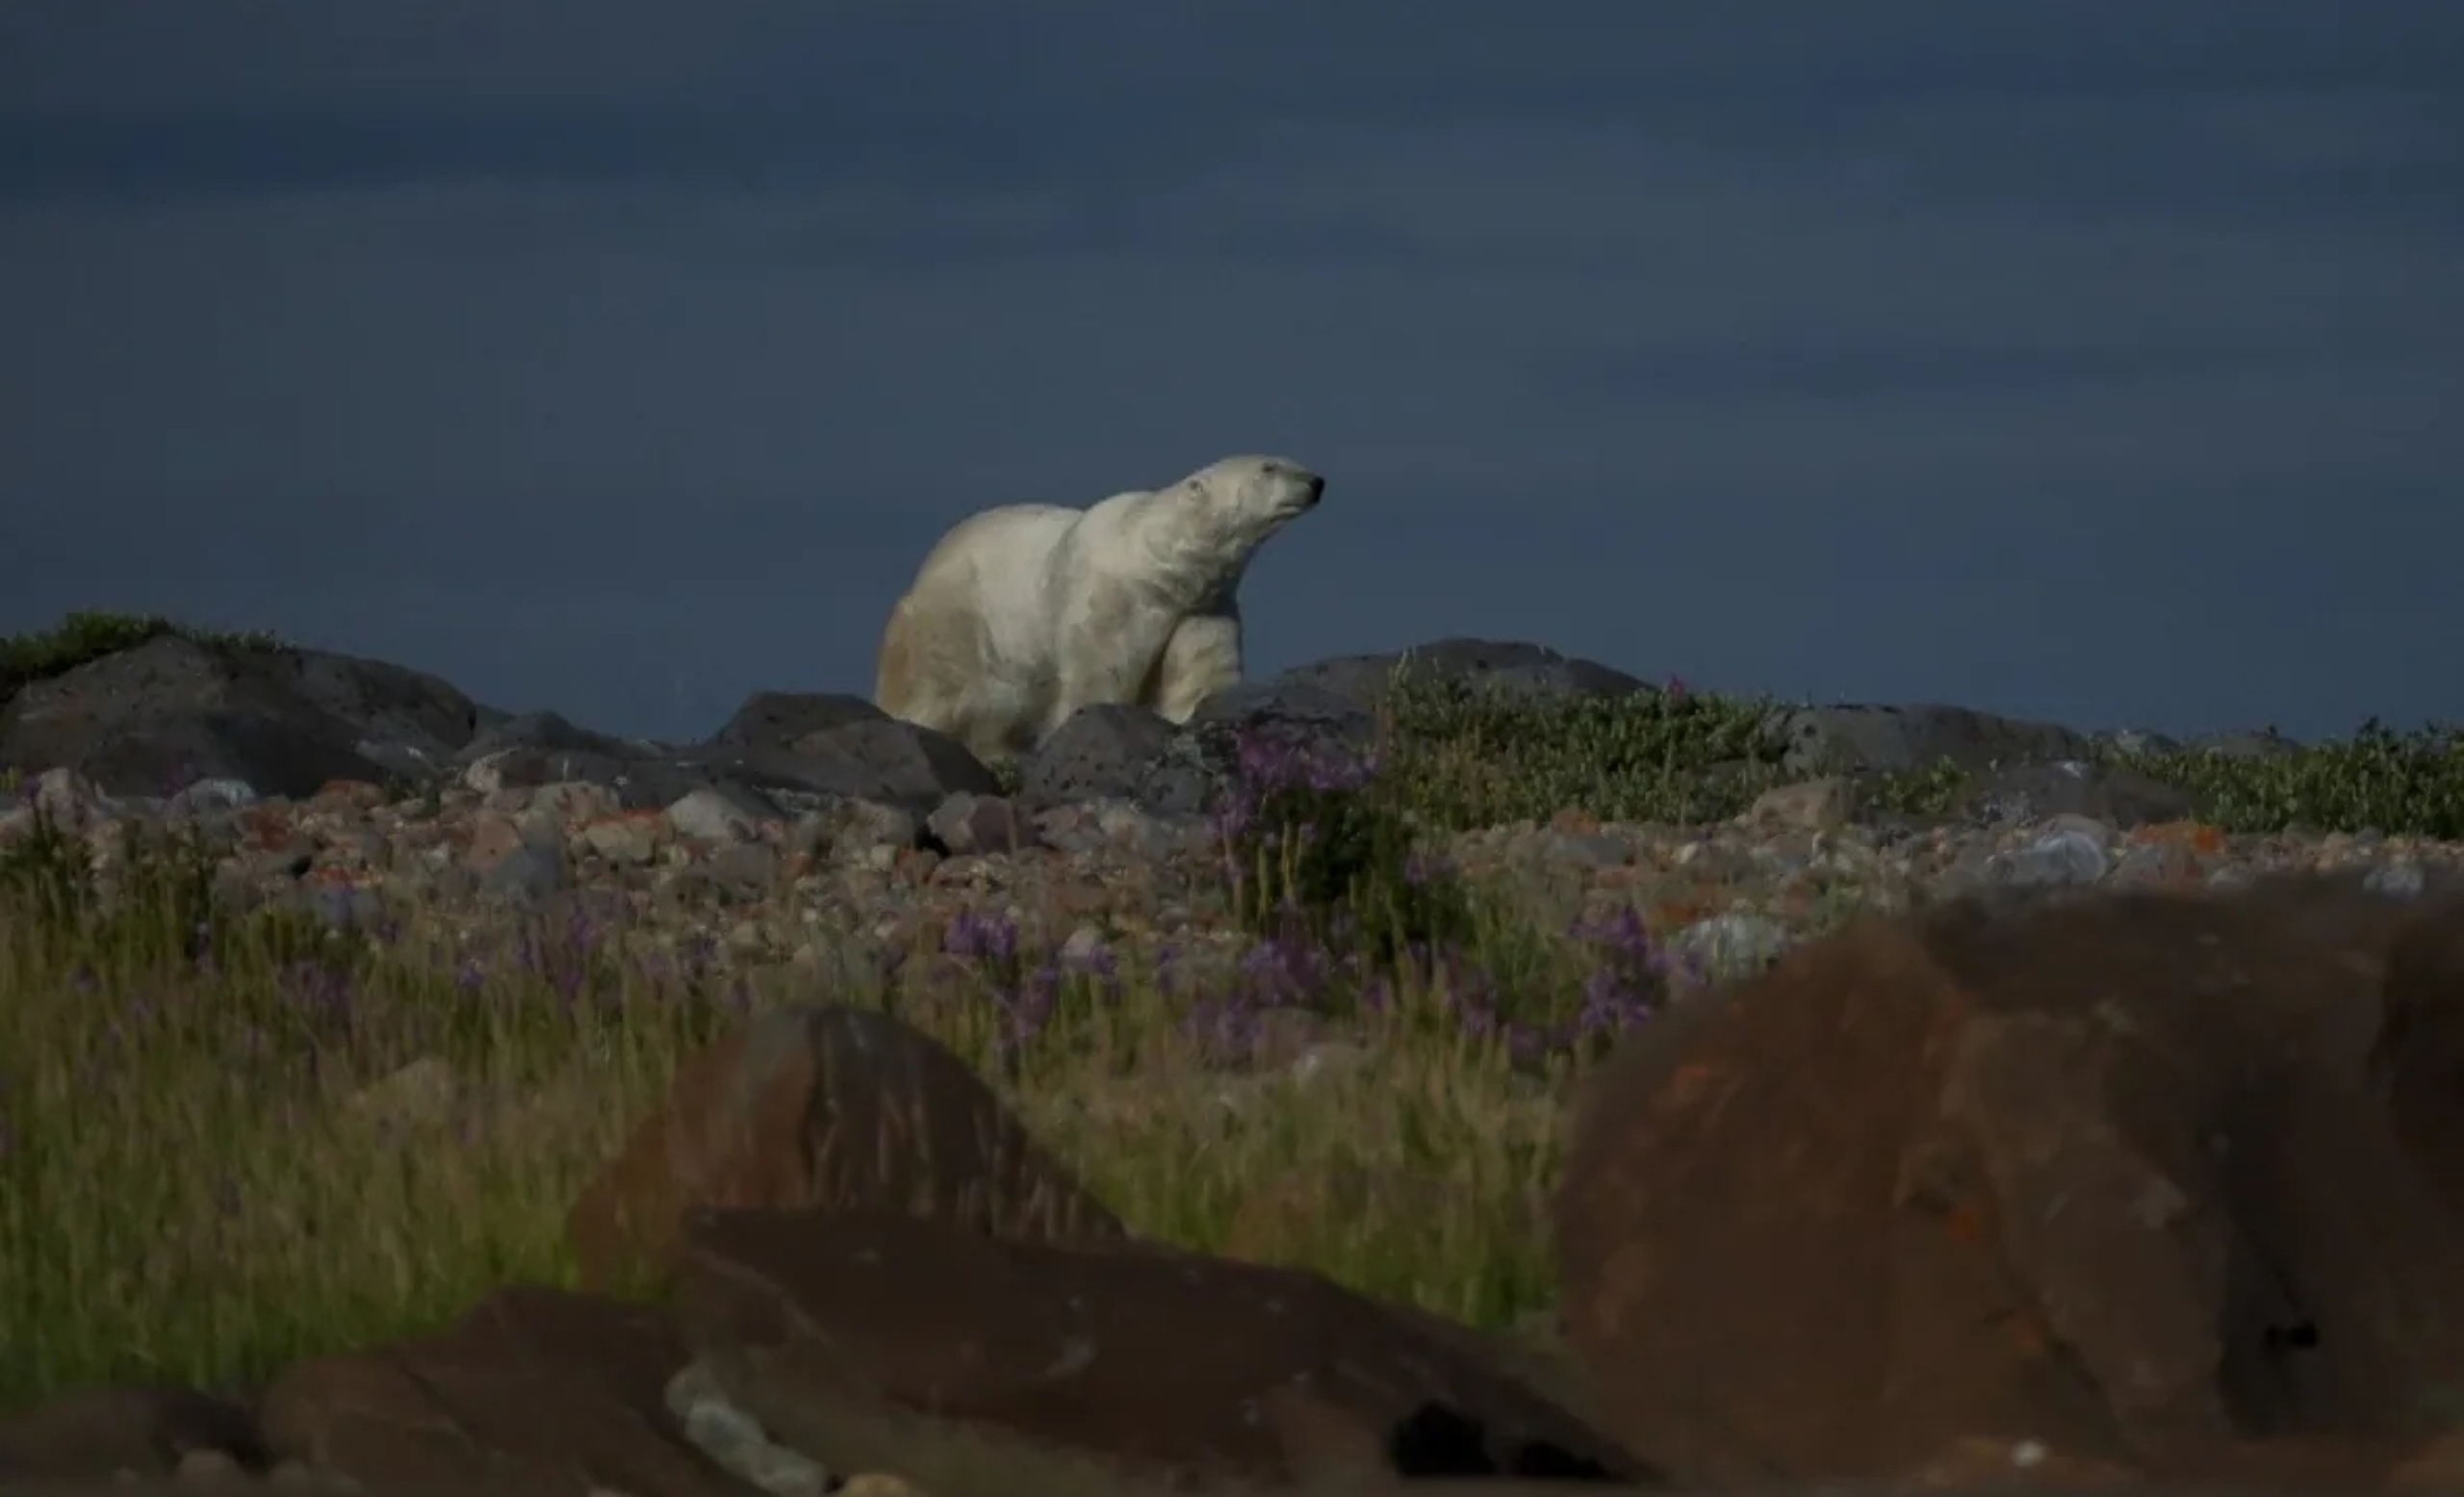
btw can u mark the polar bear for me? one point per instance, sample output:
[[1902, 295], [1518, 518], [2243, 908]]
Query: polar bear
[[1023, 614]]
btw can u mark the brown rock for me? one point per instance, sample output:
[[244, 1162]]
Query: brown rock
[[824, 1106], [559, 1393], [2436, 1466], [2420, 1058], [2108, 1174], [1154, 1362], [143, 1430]]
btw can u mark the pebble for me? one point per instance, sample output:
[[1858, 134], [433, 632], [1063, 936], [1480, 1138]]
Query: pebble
[[2064, 858], [2396, 879]]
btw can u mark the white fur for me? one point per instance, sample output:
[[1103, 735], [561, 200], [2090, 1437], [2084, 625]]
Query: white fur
[[1023, 614]]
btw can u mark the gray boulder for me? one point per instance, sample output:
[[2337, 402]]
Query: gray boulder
[[879, 759], [545, 733], [1848, 739], [150, 720], [1114, 752], [1506, 665], [776, 719], [2118, 797]]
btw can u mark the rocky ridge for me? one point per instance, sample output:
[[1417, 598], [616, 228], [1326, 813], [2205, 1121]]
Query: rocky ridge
[[810, 830]]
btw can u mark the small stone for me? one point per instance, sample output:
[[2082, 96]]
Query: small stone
[[716, 814], [531, 872], [1084, 948], [2157, 865], [1735, 945], [748, 866], [628, 840], [845, 829], [1808, 805], [970, 823], [573, 800], [2064, 858], [211, 795], [2399, 880]]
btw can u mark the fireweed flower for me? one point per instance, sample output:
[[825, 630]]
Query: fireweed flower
[[1022, 998], [982, 937], [1629, 982]]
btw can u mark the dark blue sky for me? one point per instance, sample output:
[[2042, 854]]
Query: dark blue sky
[[2099, 361]]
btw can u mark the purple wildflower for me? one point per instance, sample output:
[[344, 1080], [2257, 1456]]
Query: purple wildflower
[[982, 937], [1630, 981]]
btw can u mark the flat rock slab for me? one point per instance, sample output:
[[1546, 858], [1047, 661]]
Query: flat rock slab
[[563, 1392], [1161, 1362]]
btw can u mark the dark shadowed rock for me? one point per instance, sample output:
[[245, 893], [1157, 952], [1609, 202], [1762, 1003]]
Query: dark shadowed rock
[[1130, 754], [148, 720], [1288, 706], [564, 1391], [2112, 1173], [97, 1434], [824, 1106], [877, 759], [2118, 797], [1506, 666], [1849, 739], [776, 719], [548, 735], [1114, 752], [1170, 1364], [2420, 1055]]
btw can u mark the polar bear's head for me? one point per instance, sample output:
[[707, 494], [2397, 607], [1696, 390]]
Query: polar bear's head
[[1245, 500]]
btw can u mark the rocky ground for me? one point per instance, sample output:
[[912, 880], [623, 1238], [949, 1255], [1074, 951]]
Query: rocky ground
[[2138, 1167], [354, 786]]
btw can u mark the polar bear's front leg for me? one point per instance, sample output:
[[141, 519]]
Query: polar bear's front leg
[[1202, 657], [1104, 654]]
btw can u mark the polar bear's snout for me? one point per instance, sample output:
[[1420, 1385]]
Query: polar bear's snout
[[1296, 489]]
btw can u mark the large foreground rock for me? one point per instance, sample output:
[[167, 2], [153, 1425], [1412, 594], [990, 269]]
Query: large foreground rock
[[823, 1104], [829, 1328], [122, 1433], [563, 1392], [2154, 1180]]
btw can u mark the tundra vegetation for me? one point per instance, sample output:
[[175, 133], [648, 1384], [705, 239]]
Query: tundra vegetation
[[189, 1192]]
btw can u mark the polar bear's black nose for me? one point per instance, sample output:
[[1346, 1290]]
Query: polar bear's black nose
[[1311, 487]]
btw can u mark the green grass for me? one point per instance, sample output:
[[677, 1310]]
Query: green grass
[[83, 637], [1471, 759], [189, 1192], [194, 1186]]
